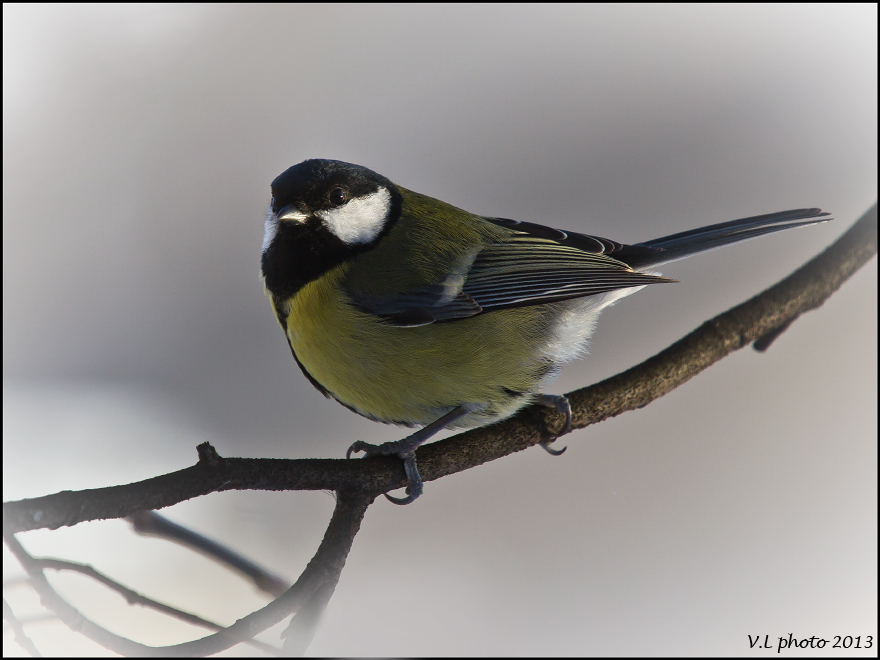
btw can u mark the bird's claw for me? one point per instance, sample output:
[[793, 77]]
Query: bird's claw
[[360, 445], [561, 405], [413, 491], [414, 485], [553, 452]]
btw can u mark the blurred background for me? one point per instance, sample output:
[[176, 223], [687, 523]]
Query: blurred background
[[138, 147]]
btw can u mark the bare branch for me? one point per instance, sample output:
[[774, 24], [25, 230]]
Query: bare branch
[[150, 523], [21, 637], [322, 572], [134, 598]]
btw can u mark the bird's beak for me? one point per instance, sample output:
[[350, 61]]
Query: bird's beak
[[291, 214]]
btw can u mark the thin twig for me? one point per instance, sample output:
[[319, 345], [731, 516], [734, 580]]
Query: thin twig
[[150, 523], [21, 637], [134, 598]]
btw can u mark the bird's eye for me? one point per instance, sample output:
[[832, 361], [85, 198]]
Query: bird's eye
[[338, 196]]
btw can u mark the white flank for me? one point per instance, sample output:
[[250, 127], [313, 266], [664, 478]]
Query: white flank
[[571, 335], [361, 219]]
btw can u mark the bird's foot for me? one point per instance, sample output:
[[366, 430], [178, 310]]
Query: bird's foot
[[406, 452], [561, 404], [405, 449]]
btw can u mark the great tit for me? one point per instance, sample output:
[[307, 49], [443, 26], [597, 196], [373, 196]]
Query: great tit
[[410, 311]]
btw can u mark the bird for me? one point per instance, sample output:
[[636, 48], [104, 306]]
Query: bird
[[410, 311]]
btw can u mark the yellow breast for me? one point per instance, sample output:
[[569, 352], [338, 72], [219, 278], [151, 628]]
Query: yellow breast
[[414, 375]]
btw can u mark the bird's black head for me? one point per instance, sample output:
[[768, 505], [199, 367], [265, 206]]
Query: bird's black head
[[322, 213]]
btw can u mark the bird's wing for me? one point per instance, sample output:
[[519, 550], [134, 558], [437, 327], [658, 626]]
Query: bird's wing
[[532, 265], [528, 270]]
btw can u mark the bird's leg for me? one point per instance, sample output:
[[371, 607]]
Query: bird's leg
[[561, 404], [406, 450]]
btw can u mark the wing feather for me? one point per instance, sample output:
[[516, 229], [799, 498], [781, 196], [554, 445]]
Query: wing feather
[[526, 270], [534, 265]]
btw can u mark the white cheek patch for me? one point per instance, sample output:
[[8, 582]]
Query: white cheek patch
[[361, 219], [270, 228]]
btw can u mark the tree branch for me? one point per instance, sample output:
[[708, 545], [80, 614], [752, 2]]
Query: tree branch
[[320, 576], [764, 316]]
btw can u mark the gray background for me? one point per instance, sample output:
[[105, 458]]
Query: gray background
[[139, 143]]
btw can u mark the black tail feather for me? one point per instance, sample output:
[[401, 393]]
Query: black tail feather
[[687, 243]]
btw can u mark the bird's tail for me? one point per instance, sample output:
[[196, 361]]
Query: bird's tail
[[687, 243]]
